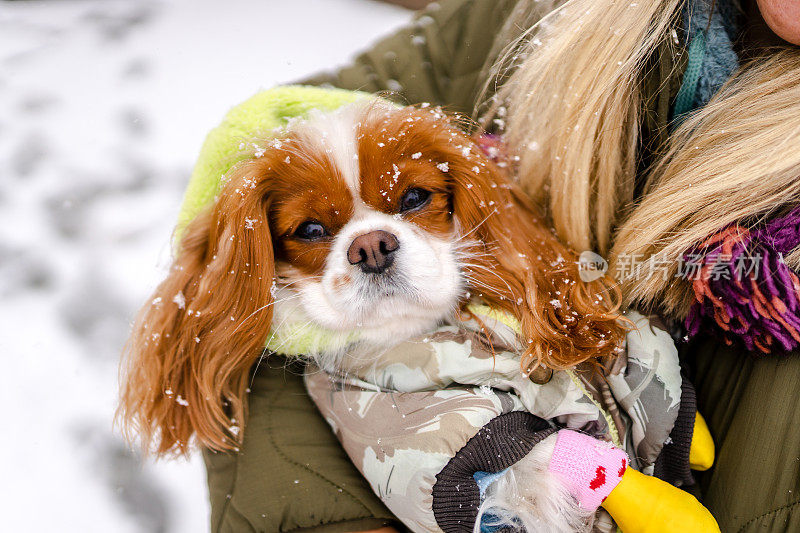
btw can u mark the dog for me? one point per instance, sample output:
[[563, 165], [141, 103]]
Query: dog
[[372, 219]]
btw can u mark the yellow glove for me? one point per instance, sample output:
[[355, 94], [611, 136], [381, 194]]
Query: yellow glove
[[701, 452], [645, 504]]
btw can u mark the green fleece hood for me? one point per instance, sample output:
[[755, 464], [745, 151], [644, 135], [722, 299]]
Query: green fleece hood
[[259, 117]]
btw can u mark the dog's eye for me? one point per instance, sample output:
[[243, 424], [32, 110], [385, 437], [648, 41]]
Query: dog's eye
[[414, 198], [310, 230]]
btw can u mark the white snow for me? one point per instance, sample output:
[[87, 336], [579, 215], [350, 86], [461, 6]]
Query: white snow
[[180, 299], [103, 107]]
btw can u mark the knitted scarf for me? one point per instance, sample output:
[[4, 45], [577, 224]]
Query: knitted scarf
[[743, 290], [709, 34]]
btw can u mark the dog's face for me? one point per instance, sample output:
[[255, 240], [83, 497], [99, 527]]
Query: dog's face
[[373, 219], [363, 226]]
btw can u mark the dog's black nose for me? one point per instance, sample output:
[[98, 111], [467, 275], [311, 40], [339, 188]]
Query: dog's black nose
[[373, 251]]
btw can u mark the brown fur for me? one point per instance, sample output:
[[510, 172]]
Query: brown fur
[[188, 366], [516, 257]]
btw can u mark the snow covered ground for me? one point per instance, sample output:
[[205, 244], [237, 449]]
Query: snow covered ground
[[103, 107]]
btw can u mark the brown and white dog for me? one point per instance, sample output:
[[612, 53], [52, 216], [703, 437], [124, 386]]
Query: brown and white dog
[[373, 218]]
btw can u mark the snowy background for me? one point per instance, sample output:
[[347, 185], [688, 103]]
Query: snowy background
[[103, 107]]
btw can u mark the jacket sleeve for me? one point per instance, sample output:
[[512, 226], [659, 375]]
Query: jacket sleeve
[[505, 440], [443, 56], [419, 450]]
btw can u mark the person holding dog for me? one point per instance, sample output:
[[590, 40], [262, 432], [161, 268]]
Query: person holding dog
[[656, 134]]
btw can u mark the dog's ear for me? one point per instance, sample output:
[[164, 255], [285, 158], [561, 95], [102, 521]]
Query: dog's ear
[[516, 263], [188, 360]]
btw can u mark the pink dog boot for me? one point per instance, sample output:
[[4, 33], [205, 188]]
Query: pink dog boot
[[596, 473], [590, 468]]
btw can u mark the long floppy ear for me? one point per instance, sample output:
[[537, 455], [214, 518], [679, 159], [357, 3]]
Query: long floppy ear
[[187, 362], [516, 263]]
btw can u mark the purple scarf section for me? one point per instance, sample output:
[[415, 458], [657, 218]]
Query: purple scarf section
[[743, 289]]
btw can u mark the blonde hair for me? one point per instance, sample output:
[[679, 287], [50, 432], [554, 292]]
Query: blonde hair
[[736, 160], [574, 107], [574, 113]]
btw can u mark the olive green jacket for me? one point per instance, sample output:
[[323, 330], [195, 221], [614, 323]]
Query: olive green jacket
[[291, 474]]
